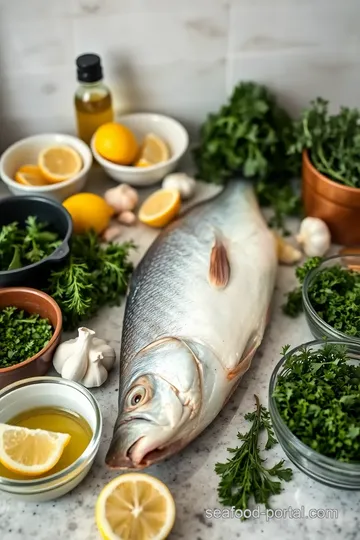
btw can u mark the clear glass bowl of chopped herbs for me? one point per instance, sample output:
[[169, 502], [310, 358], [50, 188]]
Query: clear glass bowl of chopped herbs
[[331, 298], [314, 404]]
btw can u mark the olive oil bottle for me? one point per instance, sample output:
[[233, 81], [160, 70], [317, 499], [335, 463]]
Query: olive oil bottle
[[93, 101], [60, 421]]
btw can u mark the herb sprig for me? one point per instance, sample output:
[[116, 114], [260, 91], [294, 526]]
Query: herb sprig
[[21, 335], [333, 141], [244, 476], [93, 276], [250, 136], [21, 246], [293, 306], [318, 396]]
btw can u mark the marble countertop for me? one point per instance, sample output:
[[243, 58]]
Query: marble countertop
[[190, 475]]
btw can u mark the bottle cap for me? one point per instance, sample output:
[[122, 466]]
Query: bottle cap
[[89, 68]]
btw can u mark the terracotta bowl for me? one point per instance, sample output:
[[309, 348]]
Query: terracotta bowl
[[334, 203], [32, 301]]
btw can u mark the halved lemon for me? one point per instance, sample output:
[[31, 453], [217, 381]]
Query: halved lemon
[[135, 506], [30, 451], [154, 150], [59, 163], [160, 208], [30, 175]]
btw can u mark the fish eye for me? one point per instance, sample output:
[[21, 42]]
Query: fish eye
[[136, 396]]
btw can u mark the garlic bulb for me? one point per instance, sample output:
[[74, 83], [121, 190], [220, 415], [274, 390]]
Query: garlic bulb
[[182, 182], [287, 254], [122, 198], [86, 359], [314, 236]]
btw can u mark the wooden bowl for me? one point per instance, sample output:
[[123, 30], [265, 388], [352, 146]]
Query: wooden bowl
[[32, 301], [334, 203]]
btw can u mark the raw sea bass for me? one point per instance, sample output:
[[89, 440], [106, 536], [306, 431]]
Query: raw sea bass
[[196, 312]]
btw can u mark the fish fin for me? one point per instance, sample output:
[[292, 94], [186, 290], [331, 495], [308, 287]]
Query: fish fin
[[219, 269], [245, 360]]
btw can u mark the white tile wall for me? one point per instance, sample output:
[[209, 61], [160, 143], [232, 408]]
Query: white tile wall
[[182, 57]]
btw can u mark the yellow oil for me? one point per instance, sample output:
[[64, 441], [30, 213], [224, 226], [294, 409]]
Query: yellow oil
[[61, 421], [92, 113]]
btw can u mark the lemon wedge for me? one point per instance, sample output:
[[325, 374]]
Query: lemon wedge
[[59, 163], [30, 451], [160, 208], [154, 150], [135, 506], [30, 175], [143, 163]]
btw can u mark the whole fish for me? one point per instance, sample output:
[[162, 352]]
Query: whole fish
[[196, 312]]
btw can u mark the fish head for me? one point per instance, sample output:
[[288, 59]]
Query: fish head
[[153, 407]]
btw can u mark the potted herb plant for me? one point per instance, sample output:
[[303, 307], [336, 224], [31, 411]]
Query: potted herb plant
[[330, 146]]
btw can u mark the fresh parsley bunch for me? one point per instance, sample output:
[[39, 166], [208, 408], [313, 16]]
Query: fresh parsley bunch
[[250, 137], [332, 140]]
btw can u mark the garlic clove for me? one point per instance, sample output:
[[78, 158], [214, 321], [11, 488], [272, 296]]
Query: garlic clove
[[96, 374], [127, 218], [112, 232], [108, 354], [122, 198], [287, 254], [186, 185], [314, 237]]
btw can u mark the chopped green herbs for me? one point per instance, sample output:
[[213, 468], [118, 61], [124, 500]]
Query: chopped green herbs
[[250, 137], [21, 335], [334, 294], [293, 306], [244, 475], [333, 141], [93, 276], [318, 396], [21, 246]]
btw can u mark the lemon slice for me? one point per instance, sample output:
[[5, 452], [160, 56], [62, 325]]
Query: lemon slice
[[135, 506], [154, 150], [30, 175], [143, 163], [30, 451], [160, 208], [59, 163]]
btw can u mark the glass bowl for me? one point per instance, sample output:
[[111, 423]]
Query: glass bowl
[[318, 327], [51, 392], [323, 469]]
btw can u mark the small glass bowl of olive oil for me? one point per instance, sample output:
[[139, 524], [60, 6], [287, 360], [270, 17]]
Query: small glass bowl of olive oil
[[58, 405]]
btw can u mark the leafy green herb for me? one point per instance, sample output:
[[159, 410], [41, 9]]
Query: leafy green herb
[[334, 294], [21, 335], [244, 475], [21, 246], [318, 396], [250, 136], [333, 141], [93, 276], [293, 306]]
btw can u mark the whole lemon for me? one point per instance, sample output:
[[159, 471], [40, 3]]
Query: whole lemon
[[116, 143], [88, 211]]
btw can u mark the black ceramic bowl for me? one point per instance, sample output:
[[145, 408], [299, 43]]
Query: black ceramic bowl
[[58, 219]]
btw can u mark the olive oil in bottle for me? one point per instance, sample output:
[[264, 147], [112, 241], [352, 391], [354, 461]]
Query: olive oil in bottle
[[93, 103]]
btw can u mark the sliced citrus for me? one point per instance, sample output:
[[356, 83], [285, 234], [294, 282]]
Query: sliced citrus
[[30, 451], [154, 150], [143, 163], [30, 175], [135, 506], [59, 163], [160, 208]]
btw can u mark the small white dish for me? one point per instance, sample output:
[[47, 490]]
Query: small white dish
[[51, 392], [170, 130], [26, 151]]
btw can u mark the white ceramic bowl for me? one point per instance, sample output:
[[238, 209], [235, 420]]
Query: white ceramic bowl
[[173, 133], [51, 392], [26, 151]]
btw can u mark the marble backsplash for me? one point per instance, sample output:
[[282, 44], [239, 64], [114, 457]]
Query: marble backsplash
[[180, 57]]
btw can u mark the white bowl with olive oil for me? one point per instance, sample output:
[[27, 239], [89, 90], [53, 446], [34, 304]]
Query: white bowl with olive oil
[[59, 405]]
